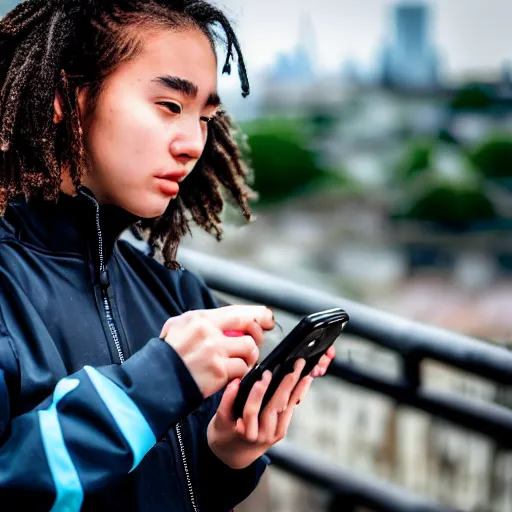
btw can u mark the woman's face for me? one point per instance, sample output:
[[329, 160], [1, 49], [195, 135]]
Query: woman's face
[[149, 125]]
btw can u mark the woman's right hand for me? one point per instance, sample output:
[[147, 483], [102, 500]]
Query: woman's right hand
[[213, 358]]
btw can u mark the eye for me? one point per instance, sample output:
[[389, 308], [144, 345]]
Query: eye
[[172, 106], [206, 119]]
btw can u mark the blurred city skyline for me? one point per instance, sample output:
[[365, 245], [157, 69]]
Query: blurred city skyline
[[472, 38]]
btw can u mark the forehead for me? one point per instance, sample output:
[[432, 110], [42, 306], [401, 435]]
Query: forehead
[[187, 54]]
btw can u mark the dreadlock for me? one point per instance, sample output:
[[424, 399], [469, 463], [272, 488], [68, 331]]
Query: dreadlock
[[67, 45]]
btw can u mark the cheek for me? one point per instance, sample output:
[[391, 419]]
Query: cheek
[[125, 142]]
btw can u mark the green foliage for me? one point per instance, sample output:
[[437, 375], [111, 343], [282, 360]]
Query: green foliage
[[473, 97], [417, 159], [494, 157], [283, 165], [449, 204]]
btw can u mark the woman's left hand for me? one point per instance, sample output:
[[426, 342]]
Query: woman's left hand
[[238, 443]]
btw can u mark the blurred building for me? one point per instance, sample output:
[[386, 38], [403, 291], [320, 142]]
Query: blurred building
[[410, 59], [298, 66]]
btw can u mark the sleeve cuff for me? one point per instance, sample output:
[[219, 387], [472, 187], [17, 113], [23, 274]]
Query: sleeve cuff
[[159, 382]]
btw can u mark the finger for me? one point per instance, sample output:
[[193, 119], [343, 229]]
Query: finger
[[165, 328], [240, 318], [281, 397], [284, 419], [243, 347], [256, 332], [225, 410], [323, 364], [240, 427], [253, 406], [283, 423], [235, 368], [300, 391], [278, 403]]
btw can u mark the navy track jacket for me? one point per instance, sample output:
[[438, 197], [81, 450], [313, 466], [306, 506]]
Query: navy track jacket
[[96, 412]]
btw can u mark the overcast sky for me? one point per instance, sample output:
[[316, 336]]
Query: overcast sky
[[472, 35]]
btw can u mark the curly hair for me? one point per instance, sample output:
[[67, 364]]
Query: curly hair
[[67, 45]]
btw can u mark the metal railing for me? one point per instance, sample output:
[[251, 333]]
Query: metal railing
[[411, 341]]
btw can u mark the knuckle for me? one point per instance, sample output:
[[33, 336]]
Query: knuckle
[[289, 380], [194, 316], [253, 439], [209, 347], [188, 316], [268, 440], [254, 357], [251, 411], [217, 368], [200, 327]]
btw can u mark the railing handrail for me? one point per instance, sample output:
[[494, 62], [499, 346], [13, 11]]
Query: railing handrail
[[411, 339], [413, 342], [363, 491]]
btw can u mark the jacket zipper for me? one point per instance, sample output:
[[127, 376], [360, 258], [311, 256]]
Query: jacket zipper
[[105, 283], [185, 466]]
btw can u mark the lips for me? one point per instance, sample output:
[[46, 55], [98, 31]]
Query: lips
[[176, 176], [168, 182]]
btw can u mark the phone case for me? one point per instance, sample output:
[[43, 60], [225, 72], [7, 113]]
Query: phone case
[[309, 339]]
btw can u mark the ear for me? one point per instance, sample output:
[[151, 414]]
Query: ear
[[58, 111]]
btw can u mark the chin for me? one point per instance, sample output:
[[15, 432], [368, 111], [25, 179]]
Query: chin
[[151, 209]]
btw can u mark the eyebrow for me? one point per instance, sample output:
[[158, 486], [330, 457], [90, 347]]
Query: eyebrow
[[187, 88]]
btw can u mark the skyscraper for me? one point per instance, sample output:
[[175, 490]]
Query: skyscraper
[[410, 59], [298, 66]]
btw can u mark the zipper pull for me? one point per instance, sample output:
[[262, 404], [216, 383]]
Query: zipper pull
[[104, 279]]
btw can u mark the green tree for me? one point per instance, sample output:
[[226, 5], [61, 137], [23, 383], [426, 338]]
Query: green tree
[[283, 166], [416, 160], [473, 97], [494, 157], [452, 205]]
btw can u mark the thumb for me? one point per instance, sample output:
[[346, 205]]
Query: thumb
[[225, 410]]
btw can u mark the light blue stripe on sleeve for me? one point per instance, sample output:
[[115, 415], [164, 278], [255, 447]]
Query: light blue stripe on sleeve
[[129, 419], [68, 487]]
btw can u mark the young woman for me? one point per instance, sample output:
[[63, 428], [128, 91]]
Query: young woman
[[117, 374]]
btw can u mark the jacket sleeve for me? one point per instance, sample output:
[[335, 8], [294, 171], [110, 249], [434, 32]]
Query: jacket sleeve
[[95, 427], [219, 488]]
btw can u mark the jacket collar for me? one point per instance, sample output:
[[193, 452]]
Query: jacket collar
[[76, 225]]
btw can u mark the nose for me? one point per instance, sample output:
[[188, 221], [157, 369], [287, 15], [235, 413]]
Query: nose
[[188, 142]]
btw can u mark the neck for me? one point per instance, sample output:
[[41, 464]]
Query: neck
[[66, 185]]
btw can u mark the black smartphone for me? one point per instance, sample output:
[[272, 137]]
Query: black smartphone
[[308, 340]]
